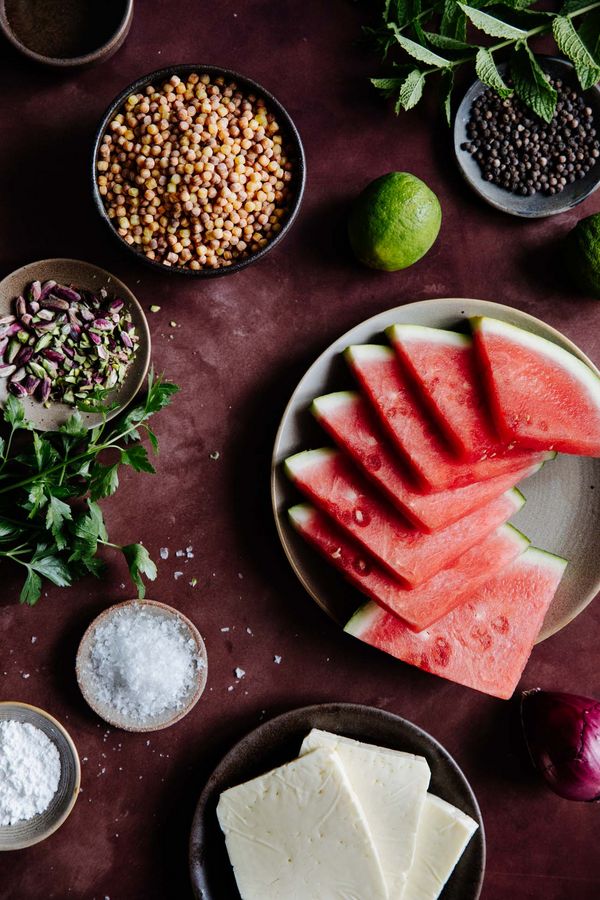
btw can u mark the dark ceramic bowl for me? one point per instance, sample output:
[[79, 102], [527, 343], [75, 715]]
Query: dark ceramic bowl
[[66, 34], [278, 741], [288, 130], [538, 205]]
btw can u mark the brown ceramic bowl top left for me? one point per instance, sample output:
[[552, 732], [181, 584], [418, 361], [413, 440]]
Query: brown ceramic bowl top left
[[84, 275], [66, 33]]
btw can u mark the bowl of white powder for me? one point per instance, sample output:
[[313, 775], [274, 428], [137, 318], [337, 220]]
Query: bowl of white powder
[[141, 665], [39, 775]]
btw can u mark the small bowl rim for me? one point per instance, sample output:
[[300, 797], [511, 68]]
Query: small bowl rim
[[145, 346], [101, 53], [202, 674], [245, 82], [61, 819], [475, 184]]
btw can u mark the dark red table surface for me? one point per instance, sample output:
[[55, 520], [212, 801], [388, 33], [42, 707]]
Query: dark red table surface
[[240, 345]]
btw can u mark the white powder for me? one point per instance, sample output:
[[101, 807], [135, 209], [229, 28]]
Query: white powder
[[142, 663], [29, 771]]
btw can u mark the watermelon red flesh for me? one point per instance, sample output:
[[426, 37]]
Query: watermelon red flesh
[[347, 417], [397, 407], [540, 394], [421, 606], [328, 479], [486, 641]]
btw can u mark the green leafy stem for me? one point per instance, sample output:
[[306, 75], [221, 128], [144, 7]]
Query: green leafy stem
[[50, 520], [404, 17]]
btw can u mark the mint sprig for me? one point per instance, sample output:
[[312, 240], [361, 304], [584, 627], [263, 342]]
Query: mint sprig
[[462, 32]]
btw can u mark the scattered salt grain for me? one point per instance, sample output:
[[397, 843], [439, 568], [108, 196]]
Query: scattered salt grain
[[29, 771], [215, 454], [164, 552], [230, 688], [225, 629], [177, 575], [249, 631], [33, 639], [239, 673], [25, 675], [277, 659], [180, 553], [142, 664], [189, 552]]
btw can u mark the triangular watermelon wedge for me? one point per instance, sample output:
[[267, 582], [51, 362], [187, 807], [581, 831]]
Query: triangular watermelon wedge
[[416, 438], [540, 394], [486, 641], [327, 478], [349, 420], [419, 607]]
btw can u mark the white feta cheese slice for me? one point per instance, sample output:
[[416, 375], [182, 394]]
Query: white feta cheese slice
[[391, 787], [444, 832], [299, 832]]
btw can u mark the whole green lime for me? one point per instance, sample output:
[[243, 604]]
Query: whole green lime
[[394, 222], [582, 253]]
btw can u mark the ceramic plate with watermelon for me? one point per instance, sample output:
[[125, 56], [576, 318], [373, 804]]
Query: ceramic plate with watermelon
[[467, 415]]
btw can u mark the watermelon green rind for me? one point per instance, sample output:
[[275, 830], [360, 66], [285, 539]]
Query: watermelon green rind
[[327, 402], [293, 464], [543, 557], [362, 619], [368, 352], [431, 335]]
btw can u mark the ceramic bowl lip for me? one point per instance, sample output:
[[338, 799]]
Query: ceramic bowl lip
[[179, 714], [315, 709], [145, 345], [476, 182], [98, 55], [61, 819], [494, 307], [288, 126]]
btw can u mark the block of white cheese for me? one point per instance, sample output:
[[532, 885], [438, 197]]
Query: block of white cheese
[[299, 833], [444, 832], [391, 787]]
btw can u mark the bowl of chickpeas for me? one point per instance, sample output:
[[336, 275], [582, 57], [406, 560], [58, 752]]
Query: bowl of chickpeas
[[198, 170]]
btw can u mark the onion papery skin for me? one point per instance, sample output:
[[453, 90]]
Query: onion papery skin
[[562, 733]]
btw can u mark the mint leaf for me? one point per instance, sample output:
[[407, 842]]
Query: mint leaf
[[32, 588], [140, 564], [137, 458], [489, 74], [589, 32], [57, 513], [412, 90], [448, 86], [572, 6], [104, 480], [445, 42], [491, 25], [453, 22], [387, 85], [570, 43], [422, 54], [531, 84]]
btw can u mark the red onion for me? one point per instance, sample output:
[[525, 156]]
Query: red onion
[[562, 733]]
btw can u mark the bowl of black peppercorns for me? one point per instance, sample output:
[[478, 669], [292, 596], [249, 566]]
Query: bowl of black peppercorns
[[521, 164]]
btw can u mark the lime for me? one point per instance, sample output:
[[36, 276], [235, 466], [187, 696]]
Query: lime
[[582, 251], [394, 222]]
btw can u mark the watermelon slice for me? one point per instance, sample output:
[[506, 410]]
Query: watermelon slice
[[421, 606], [347, 418], [328, 479], [398, 408], [486, 641], [541, 395]]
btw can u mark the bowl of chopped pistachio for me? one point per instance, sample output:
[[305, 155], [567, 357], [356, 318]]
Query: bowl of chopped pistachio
[[72, 337]]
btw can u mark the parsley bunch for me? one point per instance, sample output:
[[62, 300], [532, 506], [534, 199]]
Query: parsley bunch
[[50, 521], [439, 36]]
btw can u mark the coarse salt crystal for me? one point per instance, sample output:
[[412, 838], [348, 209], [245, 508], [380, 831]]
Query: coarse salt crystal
[[239, 673], [177, 575], [164, 552], [29, 771], [276, 659], [142, 664]]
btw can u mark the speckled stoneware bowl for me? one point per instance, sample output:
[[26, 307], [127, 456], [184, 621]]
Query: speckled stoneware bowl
[[562, 512], [278, 741], [288, 130], [66, 35], [84, 275], [112, 716], [32, 831], [538, 205]]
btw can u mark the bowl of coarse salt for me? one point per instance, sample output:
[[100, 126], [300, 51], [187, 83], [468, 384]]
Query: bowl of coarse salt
[[141, 665], [40, 775]]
